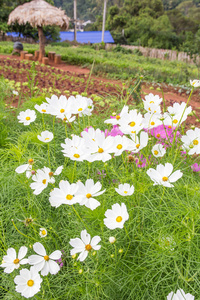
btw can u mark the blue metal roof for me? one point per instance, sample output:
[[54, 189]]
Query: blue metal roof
[[82, 37], [87, 36]]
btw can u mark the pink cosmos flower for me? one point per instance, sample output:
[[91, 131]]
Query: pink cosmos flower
[[164, 132], [195, 167]]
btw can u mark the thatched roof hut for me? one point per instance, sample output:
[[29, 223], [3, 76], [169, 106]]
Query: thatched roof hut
[[39, 13]]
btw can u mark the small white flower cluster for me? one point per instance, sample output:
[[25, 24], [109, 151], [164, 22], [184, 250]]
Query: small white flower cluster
[[41, 177], [62, 108], [131, 122], [29, 281]]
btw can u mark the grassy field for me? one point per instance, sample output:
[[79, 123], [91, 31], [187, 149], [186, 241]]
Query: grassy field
[[117, 64], [156, 250]]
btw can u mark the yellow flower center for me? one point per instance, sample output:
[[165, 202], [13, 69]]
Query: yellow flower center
[[132, 124], [119, 219], [30, 161], [175, 121], [43, 110], [50, 173], [195, 142], [100, 150], [117, 117], [155, 152], [76, 155], [119, 146], [158, 135], [164, 178], [44, 232], [151, 102], [62, 110], [30, 282], [88, 247], [125, 192], [46, 139], [169, 126], [88, 195], [152, 123], [80, 109], [69, 197], [44, 181], [16, 261], [28, 118], [46, 257], [137, 146]]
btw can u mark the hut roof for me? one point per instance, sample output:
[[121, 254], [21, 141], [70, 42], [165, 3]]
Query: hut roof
[[39, 13]]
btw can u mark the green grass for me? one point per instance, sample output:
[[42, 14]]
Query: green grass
[[119, 65], [160, 242]]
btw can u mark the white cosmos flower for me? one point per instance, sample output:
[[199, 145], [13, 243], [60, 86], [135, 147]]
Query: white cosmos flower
[[136, 143], [11, 261], [115, 121], [25, 168], [116, 217], [65, 194], [120, 144], [87, 193], [60, 107], [176, 114], [99, 147], [125, 189], [41, 108], [131, 123], [26, 117], [43, 262], [191, 141], [75, 148], [84, 245], [78, 104], [46, 136], [163, 175], [41, 178], [88, 110], [195, 82], [28, 282], [180, 295], [152, 120], [43, 232], [158, 150]]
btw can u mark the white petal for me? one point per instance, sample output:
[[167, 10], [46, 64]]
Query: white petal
[[55, 255], [22, 252], [22, 168], [45, 269], [54, 268], [39, 249]]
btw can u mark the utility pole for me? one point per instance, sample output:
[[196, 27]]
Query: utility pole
[[104, 20], [75, 19]]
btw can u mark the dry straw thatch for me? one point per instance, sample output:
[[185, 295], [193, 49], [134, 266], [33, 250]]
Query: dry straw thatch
[[39, 13]]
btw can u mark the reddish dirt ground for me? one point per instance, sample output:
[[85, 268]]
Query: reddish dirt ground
[[101, 85]]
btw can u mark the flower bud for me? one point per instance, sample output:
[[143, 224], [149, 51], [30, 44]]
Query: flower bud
[[121, 251], [112, 239]]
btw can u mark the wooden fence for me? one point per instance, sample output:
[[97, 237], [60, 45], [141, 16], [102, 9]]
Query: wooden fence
[[159, 53]]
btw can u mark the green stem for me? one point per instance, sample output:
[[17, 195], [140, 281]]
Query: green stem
[[79, 217], [29, 237]]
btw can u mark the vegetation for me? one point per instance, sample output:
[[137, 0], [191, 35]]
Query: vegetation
[[118, 64], [155, 252]]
